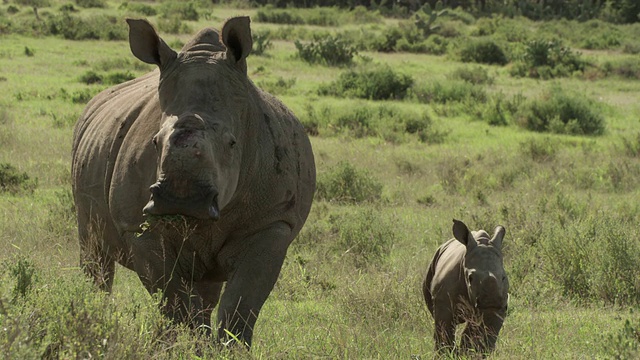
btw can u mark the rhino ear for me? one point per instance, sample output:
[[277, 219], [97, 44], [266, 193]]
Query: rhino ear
[[461, 233], [236, 36], [146, 45], [498, 235]]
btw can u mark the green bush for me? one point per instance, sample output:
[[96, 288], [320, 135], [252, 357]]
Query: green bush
[[269, 14], [180, 10], [98, 27], [91, 77], [279, 86], [328, 50], [594, 259], [377, 83], [366, 234], [173, 25], [627, 68], [345, 183], [92, 3], [391, 122], [563, 112], [450, 91], [483, 51], [261, 42], [113, 78], [24, 275], [139, 8], [34, 3], [626, 343], [475, 75], [14, 182], [539, 150], [547, 59]]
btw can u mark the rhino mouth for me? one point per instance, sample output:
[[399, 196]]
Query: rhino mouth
[[202, 203]]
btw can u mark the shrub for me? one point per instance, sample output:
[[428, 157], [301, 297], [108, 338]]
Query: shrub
[[450, 91], [358, 121], [365, 234], [348, 184], [594, 259], [475, 75], [539, 150], [180, 10], [562, 112], [118, 77], [34, 3], [436, 45], [626, 343], [24, 274], [547, 59], [278, 86], [269, 14], [378, 83], [13, 181], [484, 51], [631, 146], [261, 42], [91, 77], [329, 50], [83, 96], [97, 27], [139, 8], [173, 25], [92, 3], [627, 68]]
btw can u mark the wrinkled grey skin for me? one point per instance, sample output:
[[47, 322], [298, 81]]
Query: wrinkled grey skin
[[466, 282], [195, 138]]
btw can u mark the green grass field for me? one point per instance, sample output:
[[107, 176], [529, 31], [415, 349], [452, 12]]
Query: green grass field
[[351, 284]]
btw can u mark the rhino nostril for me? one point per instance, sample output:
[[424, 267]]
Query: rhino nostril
[[155, 189]]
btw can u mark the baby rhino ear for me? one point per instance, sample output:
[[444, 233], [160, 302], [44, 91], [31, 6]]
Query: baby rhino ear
[[462, 234], [236, 36], [498, 235]]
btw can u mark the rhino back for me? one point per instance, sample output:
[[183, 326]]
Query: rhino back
[[446, 273], [99, 135]]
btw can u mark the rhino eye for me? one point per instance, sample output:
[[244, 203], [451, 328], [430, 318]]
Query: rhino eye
[[155, 142], [470, 277]]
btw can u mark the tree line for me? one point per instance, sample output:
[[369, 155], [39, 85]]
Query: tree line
[[615, 11]]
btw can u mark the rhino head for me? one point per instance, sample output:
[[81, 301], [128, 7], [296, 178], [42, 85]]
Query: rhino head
[[486, 280], [203, 96]]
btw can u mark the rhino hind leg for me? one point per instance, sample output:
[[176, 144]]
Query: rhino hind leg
[[254, 274]]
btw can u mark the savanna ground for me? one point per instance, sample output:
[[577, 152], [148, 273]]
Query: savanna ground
[[531, 125]]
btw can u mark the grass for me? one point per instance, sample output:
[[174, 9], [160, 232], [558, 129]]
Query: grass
[[339, 295]]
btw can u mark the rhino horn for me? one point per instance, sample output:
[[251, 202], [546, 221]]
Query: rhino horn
[[498, 235], [461, 233], [236, 36], [146, 45]]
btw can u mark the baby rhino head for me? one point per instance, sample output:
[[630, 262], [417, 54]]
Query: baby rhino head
[[484, 273]]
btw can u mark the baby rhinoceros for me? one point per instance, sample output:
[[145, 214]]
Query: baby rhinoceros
[[466, 282]]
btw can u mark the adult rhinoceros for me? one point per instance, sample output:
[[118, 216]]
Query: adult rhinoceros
[[466, 282], [231, 161]]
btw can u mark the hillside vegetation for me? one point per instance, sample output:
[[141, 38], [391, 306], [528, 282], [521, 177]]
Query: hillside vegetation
[[415, 119]]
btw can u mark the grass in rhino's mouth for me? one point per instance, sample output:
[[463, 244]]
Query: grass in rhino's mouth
[[151, 220]]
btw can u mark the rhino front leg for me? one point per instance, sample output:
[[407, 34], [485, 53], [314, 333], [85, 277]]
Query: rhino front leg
[[255, 269], [162, 268], [445, 328], [94, 258]]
